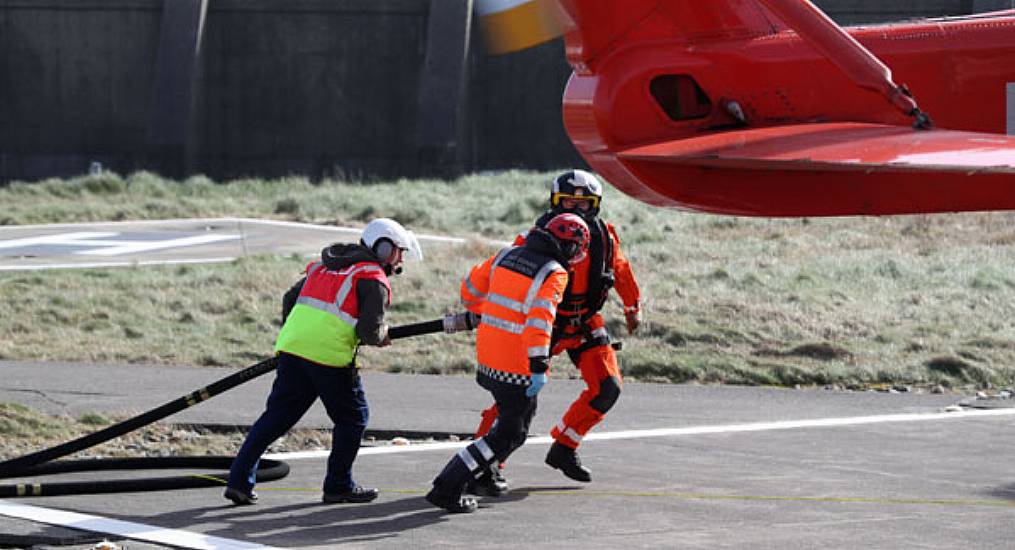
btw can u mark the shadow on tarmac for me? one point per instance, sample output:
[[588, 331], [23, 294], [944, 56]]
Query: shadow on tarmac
[[1005, 492], [312, 522]]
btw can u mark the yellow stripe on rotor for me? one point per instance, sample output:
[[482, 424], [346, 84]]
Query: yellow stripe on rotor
[[512, 25]]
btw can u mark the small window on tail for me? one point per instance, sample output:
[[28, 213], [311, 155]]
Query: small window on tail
[[680, 96]]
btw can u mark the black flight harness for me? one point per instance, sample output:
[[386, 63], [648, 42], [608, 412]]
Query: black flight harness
[[601, 280]]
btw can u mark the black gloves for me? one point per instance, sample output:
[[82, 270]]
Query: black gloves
[[539, 365]]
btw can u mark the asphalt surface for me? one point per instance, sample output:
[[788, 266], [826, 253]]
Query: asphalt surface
[[720, 478], [673, 466], [154, 242]]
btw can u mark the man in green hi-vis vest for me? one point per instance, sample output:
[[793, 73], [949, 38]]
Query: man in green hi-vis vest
[[339, 305]]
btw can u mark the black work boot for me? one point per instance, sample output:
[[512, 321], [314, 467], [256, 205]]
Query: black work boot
[[566, 460], [239, 497], [447, 488], [490, 484], [451, 503], [357, 494]]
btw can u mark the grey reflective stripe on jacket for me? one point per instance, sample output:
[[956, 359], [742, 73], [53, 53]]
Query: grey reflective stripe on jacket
[[538, 281], [502, 324], [530, 301], [340, 296], [539, 351], [480, 296]]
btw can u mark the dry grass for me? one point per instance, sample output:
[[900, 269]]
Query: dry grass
[[852, 301]]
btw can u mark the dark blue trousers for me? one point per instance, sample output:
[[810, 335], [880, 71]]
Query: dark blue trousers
[[298, 383]]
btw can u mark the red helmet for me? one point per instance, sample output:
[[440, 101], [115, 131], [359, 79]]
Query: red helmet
[[572, 234]]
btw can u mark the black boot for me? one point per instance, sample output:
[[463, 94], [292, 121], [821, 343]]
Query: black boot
[[357, 494], [566, 460], [448, 486], [451, 503], [490, 484]]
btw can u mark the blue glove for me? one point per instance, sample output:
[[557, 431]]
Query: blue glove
[[538, 381]]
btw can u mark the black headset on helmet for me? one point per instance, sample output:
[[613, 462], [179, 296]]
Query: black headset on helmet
[[386, 251]]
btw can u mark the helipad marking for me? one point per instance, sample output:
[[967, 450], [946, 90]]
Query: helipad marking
[[128, 529], [101, 244], [192, 222], [674, 432], [118, 248], [59, 238], [126, 263], [279, 223]]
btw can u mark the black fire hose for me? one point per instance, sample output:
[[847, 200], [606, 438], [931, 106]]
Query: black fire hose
[[416, 329], [39, 463]]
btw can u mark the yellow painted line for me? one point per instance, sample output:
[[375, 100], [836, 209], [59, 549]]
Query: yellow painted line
[[776, 498], [216, 479], [536, 492]]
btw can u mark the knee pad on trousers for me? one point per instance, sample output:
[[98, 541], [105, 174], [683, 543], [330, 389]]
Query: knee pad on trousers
[[507, 435], [609, 392]]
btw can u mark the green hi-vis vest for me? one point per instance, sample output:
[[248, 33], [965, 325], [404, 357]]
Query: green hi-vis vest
[[322, 325]]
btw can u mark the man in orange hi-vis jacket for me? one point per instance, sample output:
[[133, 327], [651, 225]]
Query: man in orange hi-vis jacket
[[579, 329], [516, 293]]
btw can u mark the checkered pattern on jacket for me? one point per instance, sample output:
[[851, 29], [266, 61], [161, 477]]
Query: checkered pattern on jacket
[[506, 377]]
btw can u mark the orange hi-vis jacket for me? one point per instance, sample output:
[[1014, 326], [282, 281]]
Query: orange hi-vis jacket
[[577, 302], [516, 292]]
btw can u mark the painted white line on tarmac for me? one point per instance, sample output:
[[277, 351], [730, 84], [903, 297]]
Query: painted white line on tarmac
[[128, 529], [676, 432], [133, 247], [59, 238], [93, 265], [49, 239], [187, 539], [220, 221]]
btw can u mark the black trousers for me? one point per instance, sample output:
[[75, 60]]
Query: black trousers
[[507, 435], [515, 413]]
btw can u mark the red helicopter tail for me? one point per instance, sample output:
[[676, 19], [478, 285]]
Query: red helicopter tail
[[594, 27], [768, 108]]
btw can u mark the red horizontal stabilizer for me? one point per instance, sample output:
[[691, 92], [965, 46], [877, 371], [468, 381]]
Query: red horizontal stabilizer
[[831, 169], [596, 27]]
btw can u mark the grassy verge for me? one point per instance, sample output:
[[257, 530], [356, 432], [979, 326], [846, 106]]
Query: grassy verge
[[856, 301]]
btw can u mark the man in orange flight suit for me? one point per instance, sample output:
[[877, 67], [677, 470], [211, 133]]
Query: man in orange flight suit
[[579, 329], [516, 293]]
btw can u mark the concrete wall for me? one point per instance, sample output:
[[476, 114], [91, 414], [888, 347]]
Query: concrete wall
[[316, 87], [310, 86], [75, 77]]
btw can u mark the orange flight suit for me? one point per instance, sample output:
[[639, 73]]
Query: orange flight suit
[[582, 333]]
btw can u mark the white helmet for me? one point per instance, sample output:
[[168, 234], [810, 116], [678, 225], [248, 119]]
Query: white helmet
[[382, 234]]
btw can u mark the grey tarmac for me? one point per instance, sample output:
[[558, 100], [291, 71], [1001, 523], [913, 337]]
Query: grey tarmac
[[725, 467], [940, 481]]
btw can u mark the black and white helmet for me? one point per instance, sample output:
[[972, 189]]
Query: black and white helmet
[[576, 184]]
